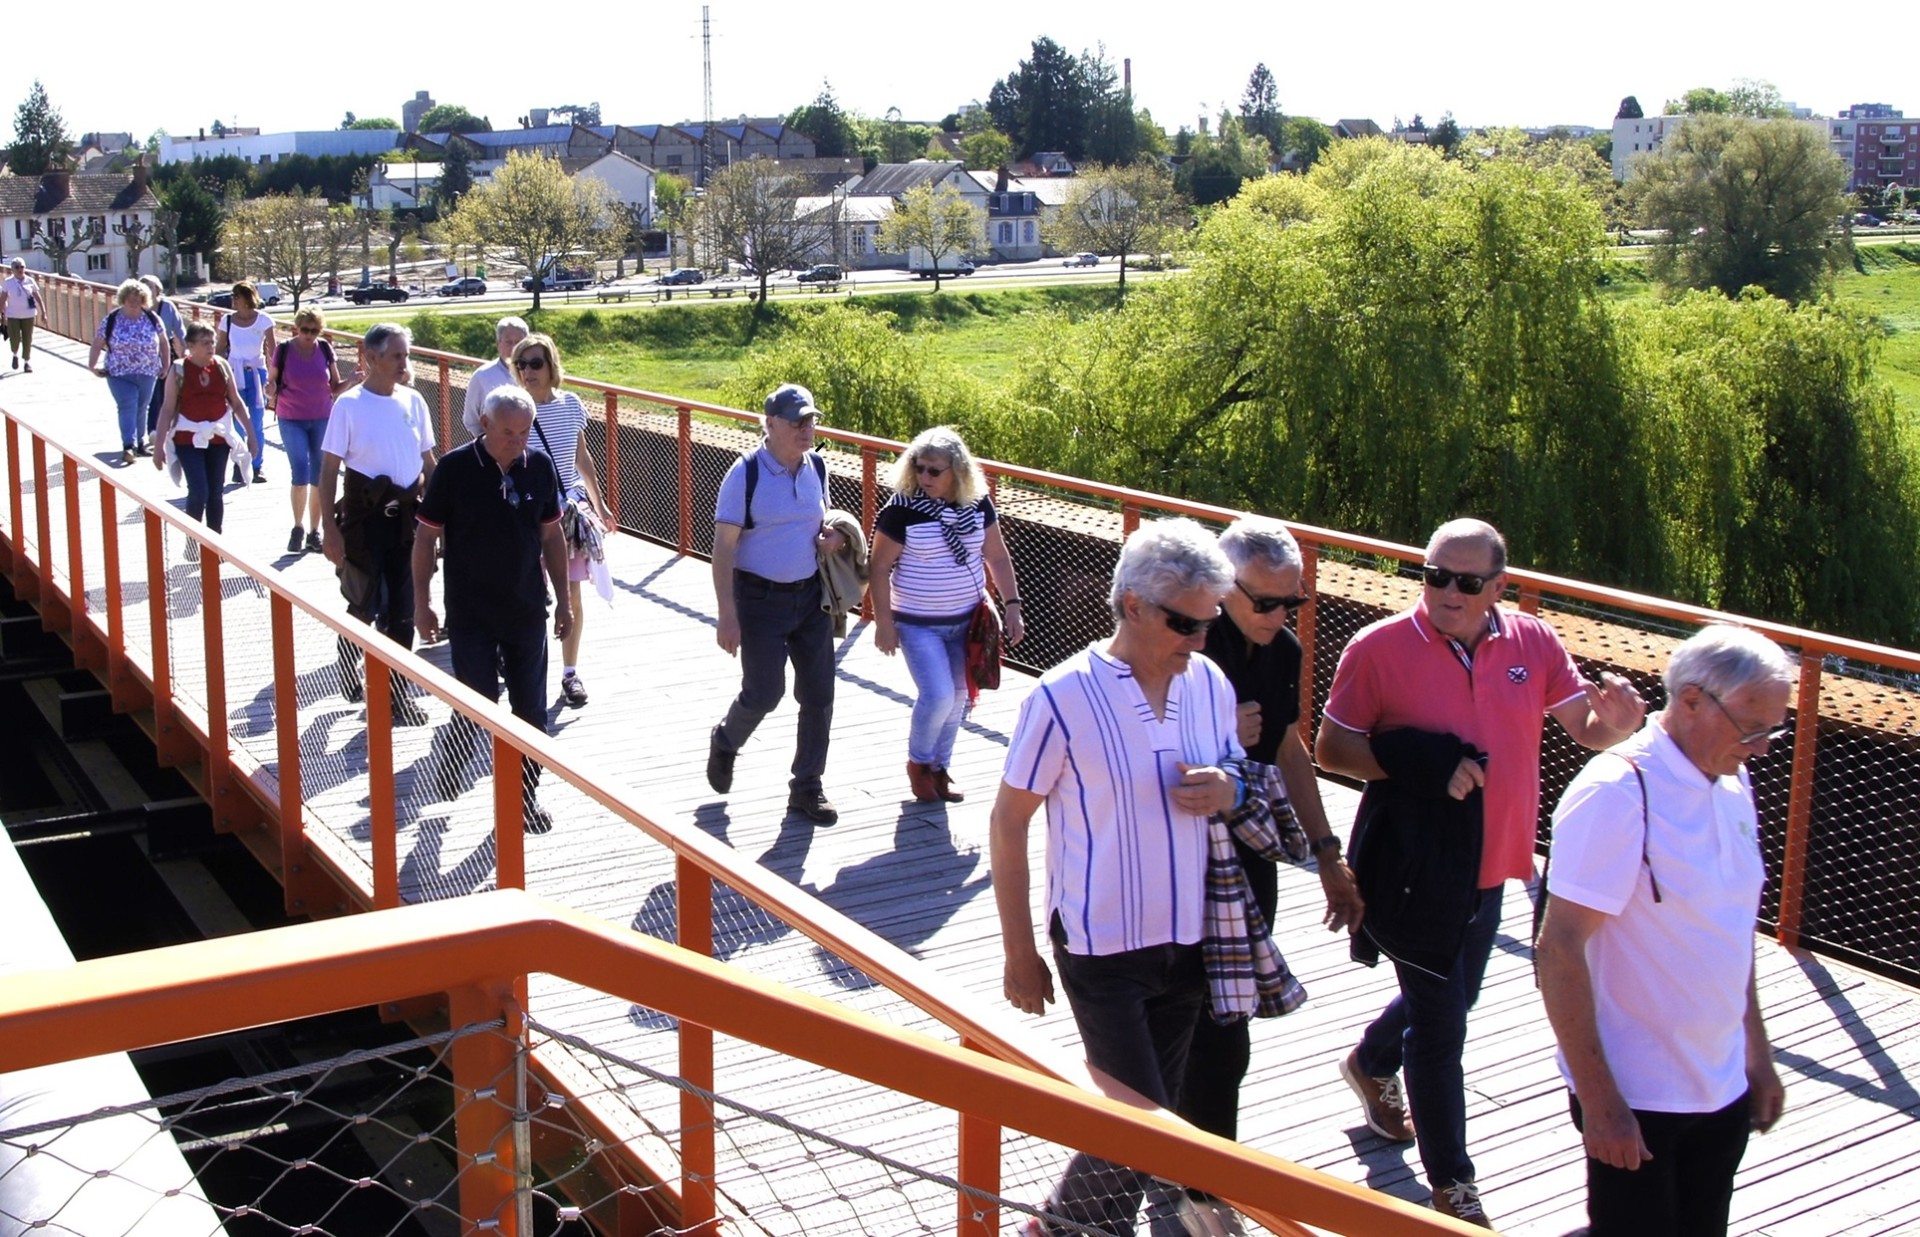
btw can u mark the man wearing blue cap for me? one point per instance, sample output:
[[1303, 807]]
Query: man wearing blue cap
[[768, 530]]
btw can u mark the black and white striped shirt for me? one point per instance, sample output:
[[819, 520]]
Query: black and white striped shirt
[[940, 574]]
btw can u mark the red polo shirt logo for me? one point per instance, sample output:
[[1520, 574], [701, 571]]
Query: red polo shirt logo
[[1516, 674]]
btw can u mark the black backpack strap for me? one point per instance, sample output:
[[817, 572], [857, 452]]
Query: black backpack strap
[[280, 363], [752, 459], [1646, 825]]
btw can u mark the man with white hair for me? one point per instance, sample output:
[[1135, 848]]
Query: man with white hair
[[1646, 955], [1443, 705], [494, 374], [498, 505]]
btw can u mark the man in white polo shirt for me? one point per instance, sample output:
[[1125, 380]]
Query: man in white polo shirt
[[1123, 744], [494, 374], [380, 441], [1646, 955]]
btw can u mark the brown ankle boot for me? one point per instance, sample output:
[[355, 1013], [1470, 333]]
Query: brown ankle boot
[[944, 787], [920, 779]]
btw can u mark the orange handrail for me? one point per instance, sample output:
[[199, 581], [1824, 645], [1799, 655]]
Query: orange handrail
[[488, 943]]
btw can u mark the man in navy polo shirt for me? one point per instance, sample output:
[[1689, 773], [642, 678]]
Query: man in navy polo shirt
[[769, 526], [499, 505]]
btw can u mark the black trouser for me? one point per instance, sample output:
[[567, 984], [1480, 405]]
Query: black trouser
[[480, 658], [1685, 1190], [377, 580], [1136, 1012], [1217, 1060], [781, 623]]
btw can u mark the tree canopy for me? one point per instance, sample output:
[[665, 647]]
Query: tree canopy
[[538, 214], [1260, 106], [1741, 202], [938, 222], [452, 118], [40, 140], [827, 123], [1056, 101], [1120, 211], [751, 214]]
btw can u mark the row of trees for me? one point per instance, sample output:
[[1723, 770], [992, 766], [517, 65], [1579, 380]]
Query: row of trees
[[1397, 338]]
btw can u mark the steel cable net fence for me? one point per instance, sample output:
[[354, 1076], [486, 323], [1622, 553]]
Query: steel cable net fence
[[356, 1144], [848, 1157]]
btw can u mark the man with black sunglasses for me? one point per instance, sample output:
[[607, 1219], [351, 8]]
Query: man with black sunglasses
[[1465, 685], [499, 505], [1253, 645]]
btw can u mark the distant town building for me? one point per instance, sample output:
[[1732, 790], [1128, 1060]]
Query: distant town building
[[257, 147], [1878, 143], [413, 109], [103, 205], [689, 151], [1642, 135]]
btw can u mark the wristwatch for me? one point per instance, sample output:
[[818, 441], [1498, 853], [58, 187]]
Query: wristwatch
[[1328, 843]]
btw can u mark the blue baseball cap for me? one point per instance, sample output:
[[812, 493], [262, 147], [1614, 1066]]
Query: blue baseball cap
[[791, 401]]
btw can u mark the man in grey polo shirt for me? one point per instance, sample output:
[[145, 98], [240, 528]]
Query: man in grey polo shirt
[[768, 528]]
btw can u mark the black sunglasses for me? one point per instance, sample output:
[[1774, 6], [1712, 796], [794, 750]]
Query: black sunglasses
[[1440, 577], [531, 362], [1185, 624], [508, 494], [929, 470], [1267, 605]]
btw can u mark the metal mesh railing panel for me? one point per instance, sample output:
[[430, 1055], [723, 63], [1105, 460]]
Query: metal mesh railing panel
[[841, 1155], [358, 1144]]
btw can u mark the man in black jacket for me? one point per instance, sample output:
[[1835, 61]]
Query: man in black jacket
[[1260, 655]]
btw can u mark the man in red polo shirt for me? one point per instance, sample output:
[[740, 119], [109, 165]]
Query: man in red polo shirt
[[1458, 664]]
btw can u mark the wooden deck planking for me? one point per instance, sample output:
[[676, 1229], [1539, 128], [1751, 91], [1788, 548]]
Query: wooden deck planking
[[1849, 1044]]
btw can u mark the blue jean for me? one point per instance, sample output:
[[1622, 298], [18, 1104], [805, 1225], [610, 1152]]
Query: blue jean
[[936, 656], [1136, 1012], [205, 471], [778, 624], [253, 393], [130, 395], [302, 438], [1425, 1029]]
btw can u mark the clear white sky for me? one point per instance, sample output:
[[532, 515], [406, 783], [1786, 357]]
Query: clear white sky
[[300, 66]]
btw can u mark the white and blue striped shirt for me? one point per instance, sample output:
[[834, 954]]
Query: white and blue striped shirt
[[1126, 869]]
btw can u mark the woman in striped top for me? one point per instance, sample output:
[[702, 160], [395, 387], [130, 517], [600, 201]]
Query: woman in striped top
[[560, 430], [932, 547]]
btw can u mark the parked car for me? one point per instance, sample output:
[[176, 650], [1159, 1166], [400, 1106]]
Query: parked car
[[1864, 220], [220, 300], [1081, 259], [824, 272], [368, 293], [468, 286], [683, 275]]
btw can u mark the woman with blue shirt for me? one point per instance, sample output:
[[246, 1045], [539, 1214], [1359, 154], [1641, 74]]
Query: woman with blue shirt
[[933, 544]]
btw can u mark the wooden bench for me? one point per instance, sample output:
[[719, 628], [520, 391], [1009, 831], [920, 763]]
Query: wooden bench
[[613, 294]]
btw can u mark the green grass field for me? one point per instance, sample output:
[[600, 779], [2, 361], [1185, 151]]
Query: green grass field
[[1886, 285]]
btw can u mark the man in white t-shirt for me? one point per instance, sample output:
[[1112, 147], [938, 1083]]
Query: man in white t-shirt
[[1646, 955], [380, 441], [495, 373], [1123, 744]]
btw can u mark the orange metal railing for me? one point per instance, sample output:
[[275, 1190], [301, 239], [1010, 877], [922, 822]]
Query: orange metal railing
[[481, 949], [189, 719], [71, 307]]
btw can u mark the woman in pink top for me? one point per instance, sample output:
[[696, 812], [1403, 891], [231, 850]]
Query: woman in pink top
[[300, 389]]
